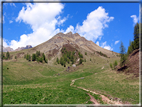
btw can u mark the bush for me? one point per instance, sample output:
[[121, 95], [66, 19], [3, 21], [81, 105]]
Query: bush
[[115, 64], [25, 56], [29, 58], [111, 65], [85, 53], [81, 60], [57, 61], [46, 61], [15, 57]]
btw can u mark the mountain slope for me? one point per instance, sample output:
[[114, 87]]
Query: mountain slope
[[53, 46]]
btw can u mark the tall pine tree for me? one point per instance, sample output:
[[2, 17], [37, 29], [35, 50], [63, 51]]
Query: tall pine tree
[[122, 54], [136, 36]]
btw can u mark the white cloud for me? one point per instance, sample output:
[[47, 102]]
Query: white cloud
[[105, 46], [97, 43], [92, 27], [135, 19], [10, 21], [61, 21], [42, 19], [108, 48], [116, 42], [70, 29], [4, 42]]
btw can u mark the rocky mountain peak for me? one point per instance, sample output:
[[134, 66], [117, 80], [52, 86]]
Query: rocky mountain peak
[[69, 33], [28, 46]]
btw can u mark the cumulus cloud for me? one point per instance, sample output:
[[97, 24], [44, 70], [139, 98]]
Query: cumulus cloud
[[42, 19], [135, 19], [105, 46], [92, 27], [116, 42]]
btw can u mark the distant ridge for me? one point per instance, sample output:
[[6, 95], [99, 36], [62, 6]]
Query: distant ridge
[[8, 49]]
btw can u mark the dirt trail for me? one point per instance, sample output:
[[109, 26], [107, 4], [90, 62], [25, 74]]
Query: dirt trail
[[104, 98], [93, 99]]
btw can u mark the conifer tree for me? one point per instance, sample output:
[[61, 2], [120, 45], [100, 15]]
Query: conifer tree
[[122, 54]]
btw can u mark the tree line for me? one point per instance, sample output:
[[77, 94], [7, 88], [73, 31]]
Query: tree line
[[39, 57]]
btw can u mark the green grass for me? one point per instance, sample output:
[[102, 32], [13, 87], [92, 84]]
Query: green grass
[[45, 95], [35, 83], [112, 84]]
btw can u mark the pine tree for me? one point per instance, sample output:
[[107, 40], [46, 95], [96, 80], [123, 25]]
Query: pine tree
[[46, 61], [136, 36], [57, 61], [122, 54], [7, 55], [33, 57]]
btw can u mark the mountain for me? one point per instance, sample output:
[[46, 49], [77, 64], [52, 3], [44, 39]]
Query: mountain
[[52, 47], [8, 49], [21, 48]]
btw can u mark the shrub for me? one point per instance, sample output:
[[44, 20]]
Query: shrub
[[80, 61], [15, 57], [85, 53], [57, 61], [46, 61], [111, 65], [115, 64], [29, 58], [25, 56]]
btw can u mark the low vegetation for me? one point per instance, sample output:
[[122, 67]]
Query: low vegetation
[[113, 66], [102, 54]]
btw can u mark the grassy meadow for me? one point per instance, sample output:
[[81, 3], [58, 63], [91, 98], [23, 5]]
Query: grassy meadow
[[27, 82]]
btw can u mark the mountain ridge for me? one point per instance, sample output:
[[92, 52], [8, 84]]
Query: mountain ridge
[[9, 49]]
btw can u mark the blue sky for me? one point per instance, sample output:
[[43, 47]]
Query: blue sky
[[106, 24]]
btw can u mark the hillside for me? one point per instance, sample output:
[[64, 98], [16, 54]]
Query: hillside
[[90, 82], [132, 64]]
